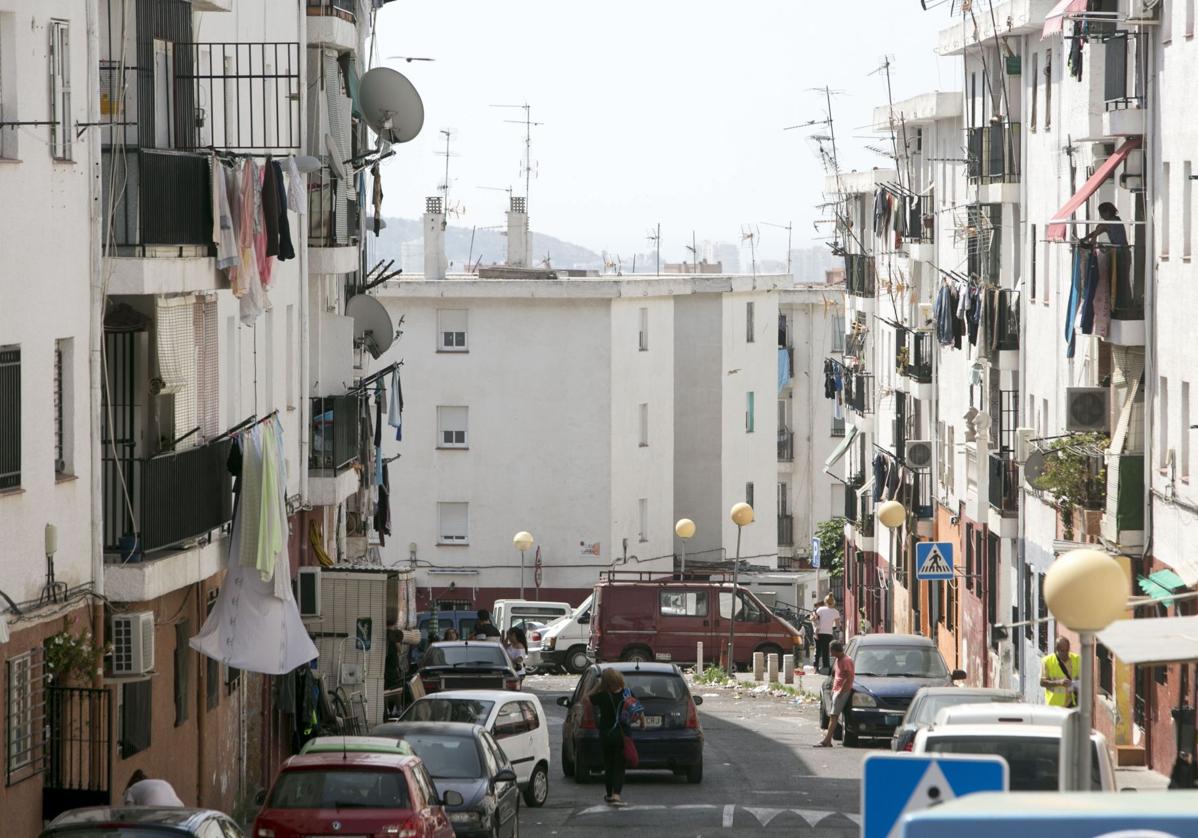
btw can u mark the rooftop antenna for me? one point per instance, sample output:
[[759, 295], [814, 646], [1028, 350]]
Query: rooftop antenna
[[447, 133], [891, 119], [693, 247], [507, 189], [654, 237], [751, 234], [610, 264], [789, 228], [527, 168]]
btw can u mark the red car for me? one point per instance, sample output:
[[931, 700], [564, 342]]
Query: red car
[[354, 793]]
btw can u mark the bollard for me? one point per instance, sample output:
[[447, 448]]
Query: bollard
[[699, 658], [771, 669], [788, 669], [758, 666]]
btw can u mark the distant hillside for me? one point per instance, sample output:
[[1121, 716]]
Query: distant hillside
[[489, 245]]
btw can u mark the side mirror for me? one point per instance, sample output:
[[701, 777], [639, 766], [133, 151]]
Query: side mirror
[[452, 798], [505, 775], [958, 675], [584, 619], [260, 798], [564, 701], [698, 699]]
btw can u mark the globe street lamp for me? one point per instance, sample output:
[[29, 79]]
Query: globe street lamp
[[741, 515], [522, 541], [684, 529], [891, 515], [1086, 591]]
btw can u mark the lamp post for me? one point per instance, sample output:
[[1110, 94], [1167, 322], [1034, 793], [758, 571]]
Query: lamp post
[[741, 515], [685, 530], [891, 515], [1086, 591], [522, 541]]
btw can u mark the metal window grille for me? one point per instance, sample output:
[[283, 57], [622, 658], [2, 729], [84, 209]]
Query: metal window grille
[[10, 417], [79, 760], [59, 447], [61, 127], [207, 368], [25, 707]]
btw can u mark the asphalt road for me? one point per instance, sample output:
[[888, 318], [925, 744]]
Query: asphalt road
[[761, 774]]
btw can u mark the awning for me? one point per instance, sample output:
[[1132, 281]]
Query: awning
[[1055, 22], [849, 435], [1156, 640], [1161, 586], [1058, 225]]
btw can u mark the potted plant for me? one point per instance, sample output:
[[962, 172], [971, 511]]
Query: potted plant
[[73, 660], [1075, 475]]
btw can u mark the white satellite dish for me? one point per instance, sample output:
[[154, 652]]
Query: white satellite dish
[[373, 328], [390, 105], [335, 161]]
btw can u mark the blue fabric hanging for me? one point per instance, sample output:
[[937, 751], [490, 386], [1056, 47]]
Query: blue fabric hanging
[[1074, 293], [783, 368]]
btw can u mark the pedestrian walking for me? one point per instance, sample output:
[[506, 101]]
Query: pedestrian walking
[[1182, 776], [616, 709], [842, 690], [1058, 674], [827, 620], [142, 791]]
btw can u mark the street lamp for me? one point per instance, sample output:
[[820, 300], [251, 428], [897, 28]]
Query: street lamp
[[1086, 591], [684, 529], [741, 515], [891, 515], [522, 541]]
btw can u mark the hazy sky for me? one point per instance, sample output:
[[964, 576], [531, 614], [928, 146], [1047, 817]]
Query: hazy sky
[[653, 110]]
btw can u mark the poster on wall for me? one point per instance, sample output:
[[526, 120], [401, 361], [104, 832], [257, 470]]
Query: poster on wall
[[588, 550]]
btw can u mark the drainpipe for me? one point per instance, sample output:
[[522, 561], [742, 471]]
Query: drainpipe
[[305, 406], [96, 317]]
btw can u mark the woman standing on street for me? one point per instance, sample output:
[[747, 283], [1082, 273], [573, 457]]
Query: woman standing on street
[[608, 700]]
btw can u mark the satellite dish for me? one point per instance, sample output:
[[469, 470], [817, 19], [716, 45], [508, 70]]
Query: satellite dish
[[390, 105], [373, 328], [1033, 468], [335, 162]]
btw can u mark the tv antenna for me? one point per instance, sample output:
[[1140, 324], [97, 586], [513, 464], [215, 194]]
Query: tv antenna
[[693, 247], [894, 121], [609, 264], [527, 122], [654, 238], [546, 261], [450, 209], [789, 228], [751, 235], [507, 189]]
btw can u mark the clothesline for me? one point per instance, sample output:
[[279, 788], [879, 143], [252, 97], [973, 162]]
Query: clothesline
[[370, 379], [246, 424]]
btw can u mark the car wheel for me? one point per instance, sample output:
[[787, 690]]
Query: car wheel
[[582, 771], [850, 738], [694, 774], [567, 763], [576, 660], [537, 790], [637, 653], [823, 715]]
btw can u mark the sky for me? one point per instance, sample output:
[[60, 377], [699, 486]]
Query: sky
[[653, 111]]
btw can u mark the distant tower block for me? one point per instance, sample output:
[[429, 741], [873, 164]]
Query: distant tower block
[[517, 233], [435, 263]]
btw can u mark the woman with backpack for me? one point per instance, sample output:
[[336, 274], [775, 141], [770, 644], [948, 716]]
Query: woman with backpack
[[617, 709]]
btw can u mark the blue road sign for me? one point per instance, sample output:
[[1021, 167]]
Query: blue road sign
[[934, 561], [815, 552], [896, 784]]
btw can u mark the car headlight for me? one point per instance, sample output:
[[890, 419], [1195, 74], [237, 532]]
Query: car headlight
[[864, 700], [466, 818]]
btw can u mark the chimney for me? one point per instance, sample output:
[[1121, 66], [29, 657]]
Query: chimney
[[434, 239], [517, 233]]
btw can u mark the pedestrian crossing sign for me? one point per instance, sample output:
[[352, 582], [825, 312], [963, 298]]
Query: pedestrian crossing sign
[[895, 785], [934, 561]]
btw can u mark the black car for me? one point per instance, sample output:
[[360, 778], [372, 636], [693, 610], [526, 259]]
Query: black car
[[466, 759], [890, 669], [672, 739], [468, 665], [931, 700], [141, 822]]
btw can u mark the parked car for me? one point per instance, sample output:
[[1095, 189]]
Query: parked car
[[354, 794], [672, 739], [506, 613], [929, 701], [1027, 736], [516, 720], [890, 669], [466, 760], [467, 665], [141, 822], [534, 633], [356, 745], [642, 616], [564, 642]]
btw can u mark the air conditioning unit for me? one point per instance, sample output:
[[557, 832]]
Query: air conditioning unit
[[919, 453], [307, 591], [133, 643], [1087, 409]]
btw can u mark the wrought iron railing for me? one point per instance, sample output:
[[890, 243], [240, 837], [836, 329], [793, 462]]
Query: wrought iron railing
[[163, 199], [1123, 84], [786, 530], [343, 9], [859, 392], [994, 153], [1004, 484], [79, 749], [913, 357], [786, 446], [1121, 268], [335, 435], [1006, 320], [859, 275]]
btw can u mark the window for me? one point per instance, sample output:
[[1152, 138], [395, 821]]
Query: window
[[642, 517], [1029, 629], [749, 494], [211, 665], [289, 352], [783, 499], [749, 323], [10, 417], [531, 717], [1189, 18], [1185, 430], [642, 340], [451, 427], [63, 395], [509, 721], [61, 128], [20, 711], [135, 716], [1166, 22], [8, 85], [643, 417], [1166, 170], [1035, 253], [1044, 417], [182, 663], [747, 610], [232, 367], [451, 330], [838, 332], [683, 603], [1035, 79], [452, 523], [1048, 90], [837, 425], [837, 499], [207, 367], [1187, 210], [1163, 423], [268, 377], [750, 412], [1042, 614]]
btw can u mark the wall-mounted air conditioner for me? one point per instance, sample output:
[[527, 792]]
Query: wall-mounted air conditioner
[[919, 453], [1087, 410], [133, 643]]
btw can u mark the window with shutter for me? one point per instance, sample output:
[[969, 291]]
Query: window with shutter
[[10, 417], [451, 330], [453, 523], [451, 427], [60, 90]]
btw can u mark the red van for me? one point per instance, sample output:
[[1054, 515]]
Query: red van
[[658, 617]]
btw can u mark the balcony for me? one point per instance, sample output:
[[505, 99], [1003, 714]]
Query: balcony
[[1124, 90], [1126, 264], [786, 531], [1004, 484], [333, 224], [859, 276], [913, 359], [993, 153], [335, 447], [1123, 518], [786, 446], [332, 24], [859, 392]]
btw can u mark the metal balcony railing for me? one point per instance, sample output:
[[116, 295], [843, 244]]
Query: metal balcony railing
[[343, 9], [1122, 267], [786, 446], [335, 434], [1006, 320], [1004, 484], [1123, 83], [333, 213], [993, 153], [859, 392], [859, 276], [149, 210], [913, 357], [786, 530], [152, 503]]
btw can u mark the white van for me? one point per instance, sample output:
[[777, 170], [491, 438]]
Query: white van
[[564, 643], [515, 612], [1027, 736]]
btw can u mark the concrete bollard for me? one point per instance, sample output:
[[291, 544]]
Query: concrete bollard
[[788, 669], [771, 669], [758, 666], [699, 658]]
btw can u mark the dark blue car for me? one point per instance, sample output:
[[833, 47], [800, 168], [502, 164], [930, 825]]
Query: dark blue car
[[890, 669]]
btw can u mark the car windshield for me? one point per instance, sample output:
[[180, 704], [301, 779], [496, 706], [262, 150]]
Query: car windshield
[[447, 757], [340, 789], [481, 654], [468, 710], [930, 705], [1034, 762], [898, 661], [648, 686]]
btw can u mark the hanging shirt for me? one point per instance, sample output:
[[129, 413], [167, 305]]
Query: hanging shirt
[[395, 411], [286, 248], [223, 234], [297, 188]]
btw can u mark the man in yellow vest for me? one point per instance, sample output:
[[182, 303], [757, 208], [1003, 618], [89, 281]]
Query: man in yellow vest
[[1058, 674]]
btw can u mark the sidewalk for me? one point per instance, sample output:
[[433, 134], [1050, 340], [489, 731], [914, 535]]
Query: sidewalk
[[1140, 779]]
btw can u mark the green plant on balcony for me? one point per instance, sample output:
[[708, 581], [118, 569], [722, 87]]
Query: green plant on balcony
[[831, 545], [73, 659], [1071, 476]]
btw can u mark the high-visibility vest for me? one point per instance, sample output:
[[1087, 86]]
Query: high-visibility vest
[[1052, 669]]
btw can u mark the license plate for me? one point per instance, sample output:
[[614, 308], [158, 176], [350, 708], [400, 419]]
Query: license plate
[[664, 656], [652, 721], [894, 720]]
